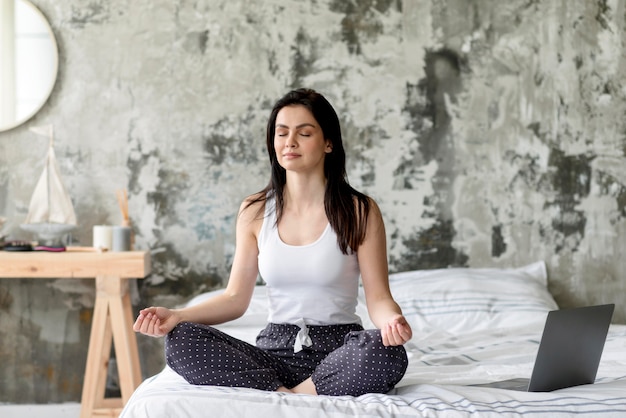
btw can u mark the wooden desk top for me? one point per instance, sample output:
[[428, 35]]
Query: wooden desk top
[[74, 264]]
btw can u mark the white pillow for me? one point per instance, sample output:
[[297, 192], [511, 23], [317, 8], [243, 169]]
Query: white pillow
[[463, 300]]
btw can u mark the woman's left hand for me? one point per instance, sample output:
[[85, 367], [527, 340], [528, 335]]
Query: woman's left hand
[[396, 332]]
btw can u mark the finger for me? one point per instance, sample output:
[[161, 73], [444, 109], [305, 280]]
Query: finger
[[397, 337], [157, 328], [143, 313], [402, 329], [146, 311], [393, 335], [154, 326], [137, 324], [146, 325], [398, 332], [401, 334], [406, 332], [384, 333]]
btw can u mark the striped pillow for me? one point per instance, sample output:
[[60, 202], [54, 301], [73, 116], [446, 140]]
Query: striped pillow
[[462, 300]]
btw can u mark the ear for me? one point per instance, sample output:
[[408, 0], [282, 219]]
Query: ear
[[329, 146]]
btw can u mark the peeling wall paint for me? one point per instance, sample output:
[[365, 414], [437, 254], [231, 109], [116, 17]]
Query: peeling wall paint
[[490, 133]]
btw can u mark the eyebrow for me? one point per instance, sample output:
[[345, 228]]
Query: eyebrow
[[302, 125]]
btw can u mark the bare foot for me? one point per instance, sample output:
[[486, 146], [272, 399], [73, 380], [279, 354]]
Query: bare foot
[[306, 387], [283, 389]]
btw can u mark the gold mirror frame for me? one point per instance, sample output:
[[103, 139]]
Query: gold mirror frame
[[13, 69]]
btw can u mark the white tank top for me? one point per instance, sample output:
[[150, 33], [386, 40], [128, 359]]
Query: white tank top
[[314, 284]]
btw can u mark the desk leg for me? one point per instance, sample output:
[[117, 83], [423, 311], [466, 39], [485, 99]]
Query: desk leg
[[112, 322], [125, 341]]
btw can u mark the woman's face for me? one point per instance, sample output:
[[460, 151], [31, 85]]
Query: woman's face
[[299, 141]]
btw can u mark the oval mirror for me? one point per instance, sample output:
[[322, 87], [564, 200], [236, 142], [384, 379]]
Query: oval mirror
[[28, 62]]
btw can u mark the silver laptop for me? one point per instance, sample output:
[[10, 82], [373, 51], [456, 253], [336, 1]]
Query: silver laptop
[[569, 352]]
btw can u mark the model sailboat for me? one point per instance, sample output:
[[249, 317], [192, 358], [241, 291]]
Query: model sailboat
[[50, 213]]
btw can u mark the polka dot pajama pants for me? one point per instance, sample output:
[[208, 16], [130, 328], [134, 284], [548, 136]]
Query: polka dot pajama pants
[[342, 359]]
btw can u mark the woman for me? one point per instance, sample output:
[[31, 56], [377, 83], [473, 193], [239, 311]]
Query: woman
[[310, 235]]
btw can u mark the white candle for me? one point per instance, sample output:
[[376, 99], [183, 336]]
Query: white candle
[[102, 237]]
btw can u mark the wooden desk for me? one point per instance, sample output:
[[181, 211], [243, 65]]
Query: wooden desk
[[112, 314]]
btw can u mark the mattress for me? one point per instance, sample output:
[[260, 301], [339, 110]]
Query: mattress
[[470, 326]]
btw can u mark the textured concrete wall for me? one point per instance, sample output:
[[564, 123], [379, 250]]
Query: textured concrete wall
[[491, 133]]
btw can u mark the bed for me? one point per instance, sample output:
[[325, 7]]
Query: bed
[[471, 326]]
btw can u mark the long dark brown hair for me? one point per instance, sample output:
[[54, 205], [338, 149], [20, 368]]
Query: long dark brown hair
[[346, 208]]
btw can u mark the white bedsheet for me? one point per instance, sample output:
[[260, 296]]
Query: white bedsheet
[[470, 326], [435, 385]]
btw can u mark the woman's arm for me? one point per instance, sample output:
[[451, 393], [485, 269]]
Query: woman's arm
[[382, 308], [229, 305]]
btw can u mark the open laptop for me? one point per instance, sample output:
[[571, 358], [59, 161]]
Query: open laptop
[[569, 352]]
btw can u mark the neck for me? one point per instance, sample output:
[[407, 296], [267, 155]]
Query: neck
[[302, 193]]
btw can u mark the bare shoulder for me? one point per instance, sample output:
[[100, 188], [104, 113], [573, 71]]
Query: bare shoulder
[[251, 211], [374, 222], [373, 208]]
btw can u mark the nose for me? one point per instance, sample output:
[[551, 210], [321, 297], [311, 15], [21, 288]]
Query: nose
[[290, 141]]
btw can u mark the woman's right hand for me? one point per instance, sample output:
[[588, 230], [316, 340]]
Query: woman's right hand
[[156, 321]]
